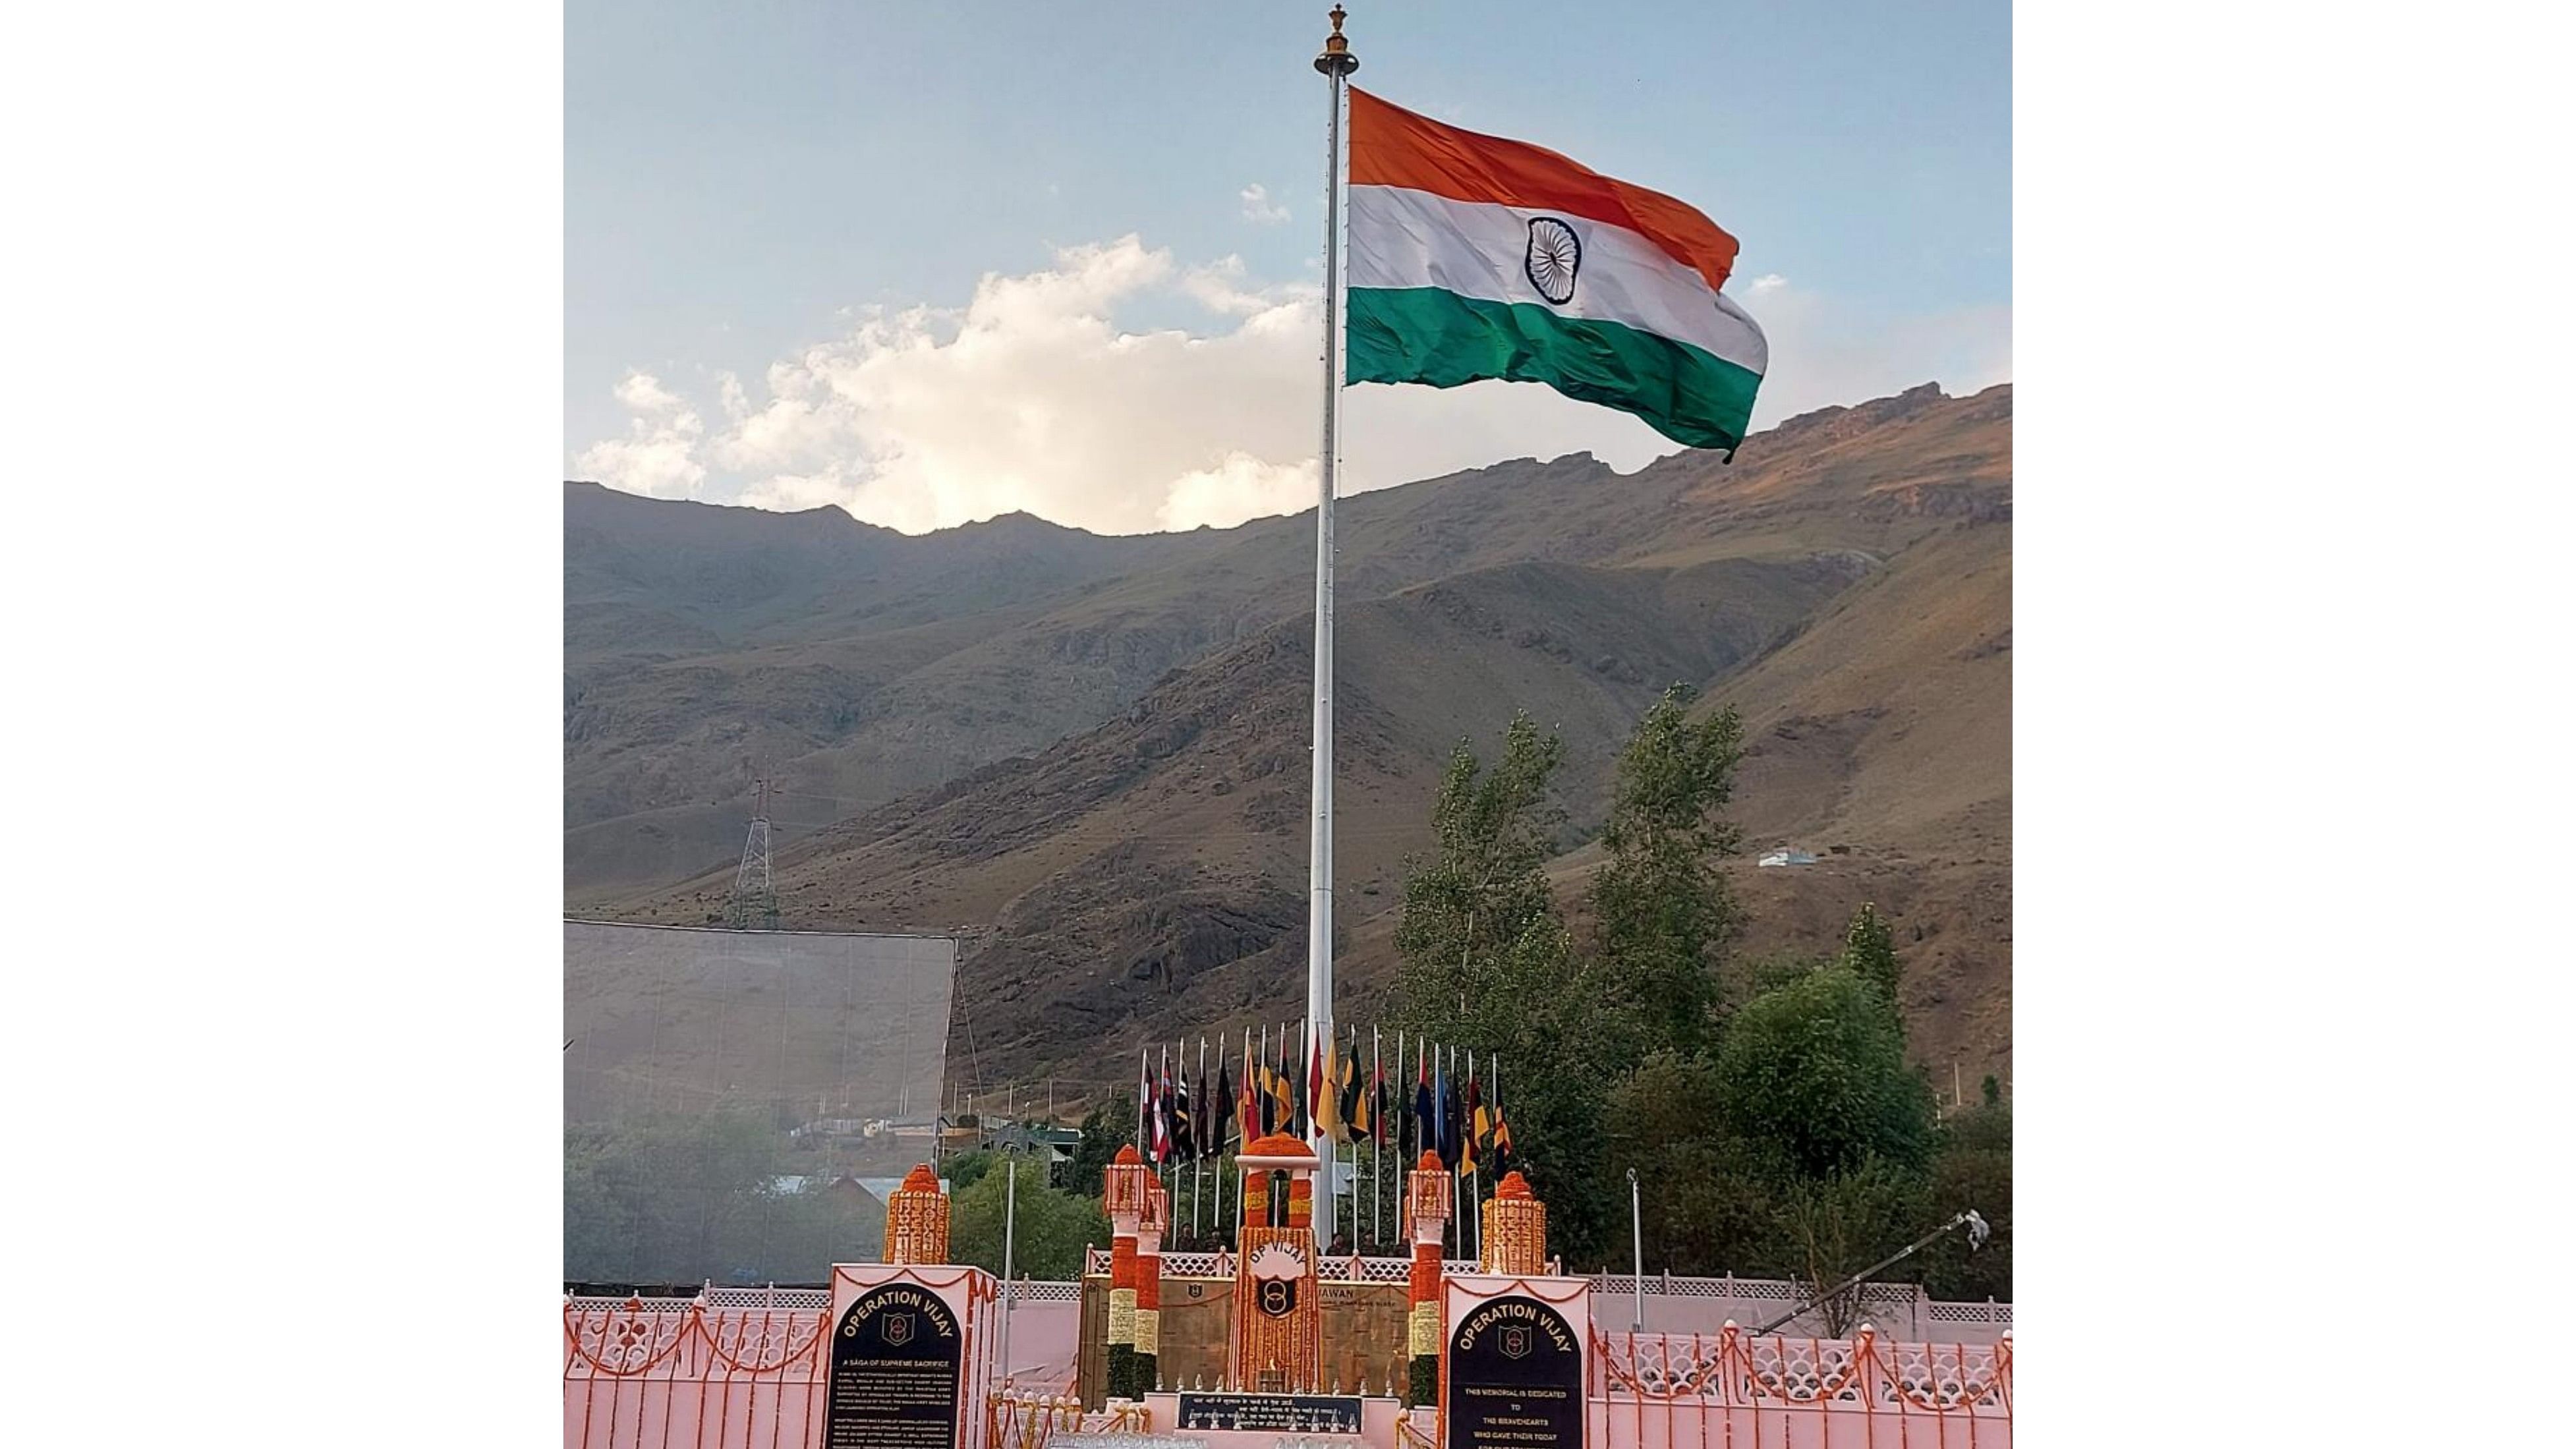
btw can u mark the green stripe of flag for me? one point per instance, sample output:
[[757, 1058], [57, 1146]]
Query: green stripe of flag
[[1428, 335]]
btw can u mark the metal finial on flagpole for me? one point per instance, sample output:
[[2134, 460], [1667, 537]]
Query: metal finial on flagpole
[[1337, 59]]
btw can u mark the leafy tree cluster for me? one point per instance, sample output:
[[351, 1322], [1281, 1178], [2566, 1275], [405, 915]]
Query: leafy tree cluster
[[1767, 1108], [1107, 1125], [1054, 1225], [689, 1199]]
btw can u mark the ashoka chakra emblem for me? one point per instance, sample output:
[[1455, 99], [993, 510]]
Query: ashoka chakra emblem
[[1555, 255]]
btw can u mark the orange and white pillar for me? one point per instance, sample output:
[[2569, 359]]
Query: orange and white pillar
[[1429, 1198], [1125, 1194]]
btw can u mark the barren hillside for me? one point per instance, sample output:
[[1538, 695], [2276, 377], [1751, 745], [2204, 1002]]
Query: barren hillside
[[1088, 756]]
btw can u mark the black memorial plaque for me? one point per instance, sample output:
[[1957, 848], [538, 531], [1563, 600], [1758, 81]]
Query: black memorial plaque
[[1272, 1413], [897, 1361], [1515, 1378]]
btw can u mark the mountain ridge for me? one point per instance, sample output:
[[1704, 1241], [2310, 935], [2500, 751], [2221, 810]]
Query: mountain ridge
[[1095, 772]]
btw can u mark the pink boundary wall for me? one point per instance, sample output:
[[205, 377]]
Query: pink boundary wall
[[1731, 1390], [702, 1374], [667, 1373]]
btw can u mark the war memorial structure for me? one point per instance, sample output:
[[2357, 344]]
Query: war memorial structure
[[1270, 1343], [1267, 1345]]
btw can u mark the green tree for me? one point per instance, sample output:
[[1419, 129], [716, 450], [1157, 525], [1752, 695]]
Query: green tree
[[1703, 1204], [1104, 1129], [1836, 1225], [1661, 907], [968, 1168], [1485, 962], [1869, 948], [1054, 1226], [1815, 1072], [1484, 888], [1973, 1171]]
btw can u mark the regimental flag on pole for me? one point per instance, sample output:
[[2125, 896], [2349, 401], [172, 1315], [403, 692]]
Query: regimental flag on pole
[[1474, 1122], [1328, 1096], [1221, 1112], [1184, 1135], [1249, 1126], [1283, 1096], [1475, 257], [1453, 1126], [1171, 1143], [1145, 1110], [1355, 1104], [1317, 1104], [1377, 1106], [1205, 1116], [1444, 1114], [1155, 1123], [1482, 1116]]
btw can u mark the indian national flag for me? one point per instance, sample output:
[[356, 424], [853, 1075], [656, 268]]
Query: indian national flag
[[1474, 257]]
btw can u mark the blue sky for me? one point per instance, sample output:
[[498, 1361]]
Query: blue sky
[[932, 261]]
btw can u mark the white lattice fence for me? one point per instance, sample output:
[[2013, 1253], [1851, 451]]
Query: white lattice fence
[[1331, 1270], [1741, 1369]]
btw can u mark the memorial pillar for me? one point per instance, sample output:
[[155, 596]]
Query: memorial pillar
[[917, 1220], [1278, 1309], [1149, 1286], [1515, 1229], [1428, 1198], [1124, 1194]]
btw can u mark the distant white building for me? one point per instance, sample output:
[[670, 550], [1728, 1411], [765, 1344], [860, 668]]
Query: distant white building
[[1785, 856]]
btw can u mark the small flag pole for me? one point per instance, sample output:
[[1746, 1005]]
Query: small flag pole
[[1377, 1138], [1335, 64], [1010, 1229]]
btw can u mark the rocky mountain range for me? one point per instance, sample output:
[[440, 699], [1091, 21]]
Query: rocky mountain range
[[1087, 756]]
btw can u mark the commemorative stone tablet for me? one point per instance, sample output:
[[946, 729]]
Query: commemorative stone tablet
[[1515, 1378], [897, 1361], [1272, 1413]]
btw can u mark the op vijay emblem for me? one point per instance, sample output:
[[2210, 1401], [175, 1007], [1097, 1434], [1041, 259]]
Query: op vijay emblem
[[1276, 1268]]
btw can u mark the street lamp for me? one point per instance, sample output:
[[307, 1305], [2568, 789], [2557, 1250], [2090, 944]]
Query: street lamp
[[1637, 1248]]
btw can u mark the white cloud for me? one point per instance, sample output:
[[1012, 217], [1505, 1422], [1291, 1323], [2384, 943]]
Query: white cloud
[[1239, 487], [1033, 397], [658, 457], [642, 392], [1259, 209], [793, 493], [1219, 287], [1825, 350]]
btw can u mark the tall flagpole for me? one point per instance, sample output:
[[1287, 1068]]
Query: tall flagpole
[[1335, 64]]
